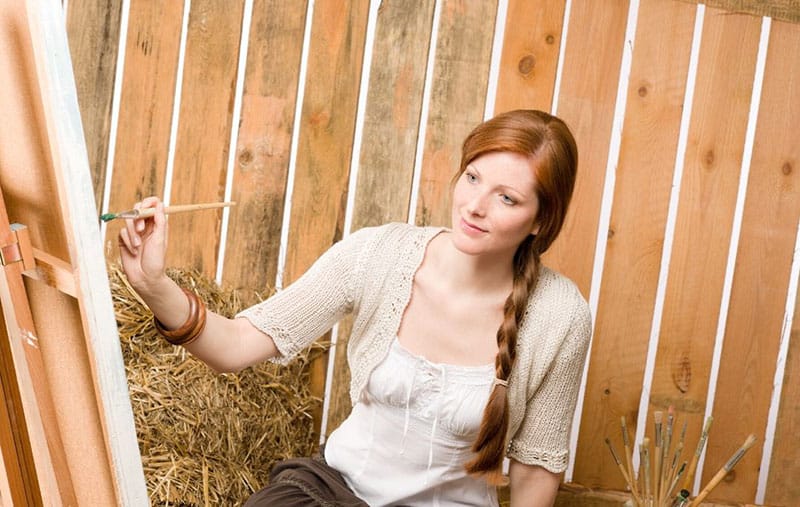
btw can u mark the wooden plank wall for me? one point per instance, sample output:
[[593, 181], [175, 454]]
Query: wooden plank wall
[[354, 117]]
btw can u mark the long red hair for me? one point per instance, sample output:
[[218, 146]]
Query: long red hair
[[554, 155]]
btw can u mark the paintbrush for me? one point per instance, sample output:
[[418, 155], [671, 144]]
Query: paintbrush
[[748, 443], [687, 481], [659, 440], [671, 477], [644, 449], [666, 473], [674, 481], [148, 212], [625, 475], [627, 443]]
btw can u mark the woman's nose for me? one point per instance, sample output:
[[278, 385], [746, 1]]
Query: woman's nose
[[477, 205]]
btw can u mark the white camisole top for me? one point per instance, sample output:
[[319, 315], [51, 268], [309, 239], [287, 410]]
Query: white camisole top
[[406, 442]]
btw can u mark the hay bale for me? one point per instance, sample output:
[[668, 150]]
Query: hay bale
[[208, 439]]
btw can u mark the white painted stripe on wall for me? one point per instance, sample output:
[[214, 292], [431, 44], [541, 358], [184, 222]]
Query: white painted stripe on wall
[[605, 208], [780, 371], [244, 44], [116, 99], [669, 230], [561, 52], [176, 103], [298, 115], [366, 67], [733, 249], [423, 117], [497, 54]]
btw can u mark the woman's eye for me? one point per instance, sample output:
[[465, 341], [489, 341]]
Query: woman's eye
[[507, 200], [471, 177]]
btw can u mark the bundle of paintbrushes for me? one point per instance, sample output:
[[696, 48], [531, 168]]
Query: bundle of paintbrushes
[[656, 482]]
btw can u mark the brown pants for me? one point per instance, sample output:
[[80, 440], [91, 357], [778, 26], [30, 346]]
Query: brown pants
[[305, 482]]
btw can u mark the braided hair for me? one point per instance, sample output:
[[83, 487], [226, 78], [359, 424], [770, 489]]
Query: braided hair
[[549, 144]]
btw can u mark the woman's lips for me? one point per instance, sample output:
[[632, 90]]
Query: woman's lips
[[470, 228]]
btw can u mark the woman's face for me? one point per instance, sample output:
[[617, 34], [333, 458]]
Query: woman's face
[[495, 204]]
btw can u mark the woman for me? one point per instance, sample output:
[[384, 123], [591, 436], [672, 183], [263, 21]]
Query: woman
[[464, 349]]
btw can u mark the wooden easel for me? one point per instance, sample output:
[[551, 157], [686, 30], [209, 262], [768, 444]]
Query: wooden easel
[[33, 455], [66, 426]]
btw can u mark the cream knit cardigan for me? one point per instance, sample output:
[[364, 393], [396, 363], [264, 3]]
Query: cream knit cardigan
[[370, 273]]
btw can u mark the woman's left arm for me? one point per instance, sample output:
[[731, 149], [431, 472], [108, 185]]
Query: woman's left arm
[[532, 485]]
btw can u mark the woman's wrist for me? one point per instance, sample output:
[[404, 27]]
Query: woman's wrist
[[155, 289]]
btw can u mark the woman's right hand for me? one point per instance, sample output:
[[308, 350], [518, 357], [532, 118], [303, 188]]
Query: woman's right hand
[[143, 247]]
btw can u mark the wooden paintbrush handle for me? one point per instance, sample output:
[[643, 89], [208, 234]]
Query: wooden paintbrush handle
[[182, 208]]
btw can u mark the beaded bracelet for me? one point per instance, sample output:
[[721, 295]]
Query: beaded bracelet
[[190, 329]]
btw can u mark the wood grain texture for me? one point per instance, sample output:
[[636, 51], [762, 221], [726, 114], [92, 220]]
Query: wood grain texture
[[531, 44], [786, 10], [24, 154], [782, 485], [391, 122], [93, 28], [21, 485], [712, 167], [29, 197], [204, 128], [761, 279], [264, 143], [586, 103], [635, 240], [57, 322], [325, 144], [458, 96], [391, 127], [145, 113]]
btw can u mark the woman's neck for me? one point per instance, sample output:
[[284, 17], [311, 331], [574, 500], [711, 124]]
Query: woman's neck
[[472, 273]]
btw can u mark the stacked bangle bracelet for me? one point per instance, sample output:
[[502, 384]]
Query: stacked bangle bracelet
[[190, 329]]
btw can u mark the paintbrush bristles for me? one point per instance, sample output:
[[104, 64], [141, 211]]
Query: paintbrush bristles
[[625, 439], [748, 443]]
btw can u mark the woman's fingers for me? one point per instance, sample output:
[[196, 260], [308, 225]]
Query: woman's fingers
[[125, 241]]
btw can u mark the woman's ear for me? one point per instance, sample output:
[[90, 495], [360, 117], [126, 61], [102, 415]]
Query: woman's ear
[[535, 229]]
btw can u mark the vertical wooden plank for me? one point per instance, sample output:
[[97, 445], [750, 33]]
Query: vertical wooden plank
[[638, 219], [460, 80], [528, 64], [93, 28], [391, 126], [264, 143], [201, 153], [145, 113], [326, 140], [587, 99], [391, 122], [704, 218], [761, 280], [782, 485]]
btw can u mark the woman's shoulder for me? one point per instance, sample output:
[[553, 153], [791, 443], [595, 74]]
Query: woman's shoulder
[[557, 291], [395, 235]]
